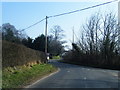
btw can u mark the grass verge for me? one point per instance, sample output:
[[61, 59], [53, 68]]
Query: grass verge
[[55, 57], [20, 76]]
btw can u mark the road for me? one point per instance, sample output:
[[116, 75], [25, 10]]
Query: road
[[73, 76]]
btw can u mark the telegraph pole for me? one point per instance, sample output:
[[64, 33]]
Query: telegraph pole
[[73, 34], [46, 36], [73, 37], [119, 25]]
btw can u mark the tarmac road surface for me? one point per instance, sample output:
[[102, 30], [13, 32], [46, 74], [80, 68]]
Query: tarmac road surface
[[74, 76]]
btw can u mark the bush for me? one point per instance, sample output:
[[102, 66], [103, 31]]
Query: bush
[[16, 55]]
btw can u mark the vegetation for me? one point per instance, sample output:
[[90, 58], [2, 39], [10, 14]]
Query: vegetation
[[22, 76], [21, 64], [56, 57], [11, 34], [98, 45], [56, 46], [15, 55], [55, 42]]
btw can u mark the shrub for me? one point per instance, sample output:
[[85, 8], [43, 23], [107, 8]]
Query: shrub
[[15, 55]]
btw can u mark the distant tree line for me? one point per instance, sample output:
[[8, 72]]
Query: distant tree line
[[98, 44], [55, 42]]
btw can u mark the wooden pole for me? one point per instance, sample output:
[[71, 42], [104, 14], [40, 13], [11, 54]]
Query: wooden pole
[[46, 36], [119, 25], [73, 34]]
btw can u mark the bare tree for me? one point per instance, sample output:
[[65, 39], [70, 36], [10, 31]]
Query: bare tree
[[110, 32], [91, 32], [57, 32], [98, 43], [100, 36], [56, 46]]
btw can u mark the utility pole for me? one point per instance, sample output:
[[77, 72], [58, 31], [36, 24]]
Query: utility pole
[[73, 37], [119, 25], [73, 34], [46, 36]]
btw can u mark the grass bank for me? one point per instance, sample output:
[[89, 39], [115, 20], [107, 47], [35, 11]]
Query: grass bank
[[21, 76], [55, 58]]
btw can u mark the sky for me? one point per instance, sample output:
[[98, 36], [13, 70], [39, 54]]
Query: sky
[[22, 14]]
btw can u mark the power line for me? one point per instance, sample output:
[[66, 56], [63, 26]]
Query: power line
[[68, 13], [82, 9], [33, 24]]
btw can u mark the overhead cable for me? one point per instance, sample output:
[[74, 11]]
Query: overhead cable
[[33, 24], [69, 13], [82, 9]]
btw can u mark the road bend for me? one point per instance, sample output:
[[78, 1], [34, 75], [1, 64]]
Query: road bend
[[74, 76]]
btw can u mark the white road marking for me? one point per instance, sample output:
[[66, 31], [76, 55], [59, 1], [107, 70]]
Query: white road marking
[[88, 69], [115, 75], [85, 78], [68, 71], [104, 71]]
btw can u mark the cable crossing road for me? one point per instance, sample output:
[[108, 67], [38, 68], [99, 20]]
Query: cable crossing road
[[74, 76]]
